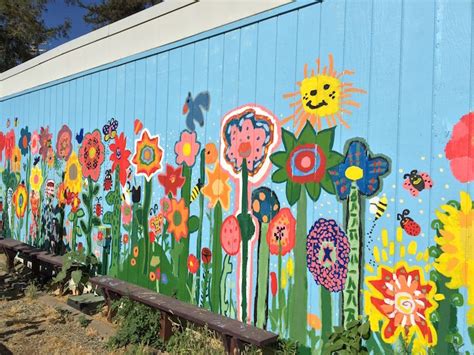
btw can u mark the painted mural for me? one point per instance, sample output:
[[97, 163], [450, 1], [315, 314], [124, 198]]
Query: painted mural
[[291, 222]]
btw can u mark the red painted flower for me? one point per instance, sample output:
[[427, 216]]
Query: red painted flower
[[125, 239], [9, 144], [119, 157], [230, 235], [172, 180], [206, 255], [91, 155], [2, 145], [45, 142], [282, 232], [273, 283], [460, 149], [306, 163], [100, 236], [193, 264], [64, 143], [80, 247]]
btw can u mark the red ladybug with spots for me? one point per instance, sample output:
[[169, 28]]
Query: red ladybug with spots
[[408, 224], [98, 207]]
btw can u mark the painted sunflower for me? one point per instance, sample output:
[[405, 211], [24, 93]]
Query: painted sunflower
[[16, 160], [148, 155], [73, 174], [20, 200], [177, 218]]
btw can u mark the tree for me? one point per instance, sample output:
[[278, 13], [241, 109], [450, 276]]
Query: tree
[[109, 11], [23, 31]]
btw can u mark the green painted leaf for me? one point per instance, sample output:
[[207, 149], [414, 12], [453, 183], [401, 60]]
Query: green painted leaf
[[109, 198], [314, 190], [70, 217], [280, 176], [279, 158], [76, 276], [83, 227], [139, 213], [334, 159], [289, 140], [96, 221], [293, 191], [96, 189], [325, 138], [78, 231], [107, 219], [308, 134], [470, 330], [80, 213], [85, 199], [193, 224], [328, 185]]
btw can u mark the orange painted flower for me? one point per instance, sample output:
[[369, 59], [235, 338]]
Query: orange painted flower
[[217, 188], [16, 160], [314, 321], [148, 155], [281, 234], [406, 300], [211, 153], [20, 200], [177, 218], [193, 264]]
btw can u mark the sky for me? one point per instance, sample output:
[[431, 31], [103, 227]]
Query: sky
[[57, 12]]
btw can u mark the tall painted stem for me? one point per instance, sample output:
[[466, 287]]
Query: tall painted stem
[[326, 313], [28, 173], [113, 219], [185, 278], [216, 259], [261, 308], [351, 293], [299, 301], [202, 173], [144, 223]]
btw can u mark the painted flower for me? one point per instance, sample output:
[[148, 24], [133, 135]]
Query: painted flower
[[155, 224], [45, 138], [165, 205], [120, 157], [36, 178], [64, 143], [193, 264], [305, 162], [125, 238], [73, 174], [62, 194], [2, 145], [35, 143], [251, 133], [74, 201], [126, 212], [206, 255], [177, 218], [148, 155], [403, 297], [172, 180], [91, 155], [16, 160], [230, 236], [217, 188], [187, 148], [33, 230], [314, 321], [281, 234], [455, 239], [211, 153], [9, 144], [24, 141], [50, 157], [327, 254], [34, 202], [362, 167], [273, 283], [460, 149], [20, 200], [265, 204]]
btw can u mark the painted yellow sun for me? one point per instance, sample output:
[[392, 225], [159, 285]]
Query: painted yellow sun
[[322, 95]]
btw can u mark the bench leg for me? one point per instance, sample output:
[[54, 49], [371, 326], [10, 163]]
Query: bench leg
[[231, 344], [10, 254], [109, 298], [166, 326]]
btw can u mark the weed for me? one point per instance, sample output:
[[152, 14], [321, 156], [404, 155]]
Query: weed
[[137, 324], [83, 321], [193, 340], [31, 291]]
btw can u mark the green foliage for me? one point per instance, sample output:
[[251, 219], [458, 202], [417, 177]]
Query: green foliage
[[348, 340], [31, 291], [137, 324], [78, 267], [83, 321], [193, 340]]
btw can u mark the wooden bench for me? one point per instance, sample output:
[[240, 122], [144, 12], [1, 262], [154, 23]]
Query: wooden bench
[[234, 333]]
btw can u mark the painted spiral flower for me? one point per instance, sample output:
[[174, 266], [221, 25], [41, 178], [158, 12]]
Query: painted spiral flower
[[327, 250], [91, 155], [148, 155]]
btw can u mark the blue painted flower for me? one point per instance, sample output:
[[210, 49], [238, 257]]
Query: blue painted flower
[[265, 204], [24, 141], [361, 166]]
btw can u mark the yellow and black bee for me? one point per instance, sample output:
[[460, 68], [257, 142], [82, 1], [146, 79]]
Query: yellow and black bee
[[196, 190], [378, 206], [15, 122]]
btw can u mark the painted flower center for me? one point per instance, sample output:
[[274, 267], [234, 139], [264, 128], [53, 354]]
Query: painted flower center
[[327, 254], [118, 153], [354, 173], [306, 163], [177, 218], [73, 172], [36, 179], [217, 187], [92, 152], [25, 142], [245, 149], [404, 303], [147, 155], [187, 149]]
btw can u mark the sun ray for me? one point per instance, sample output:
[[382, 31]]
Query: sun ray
[[325, 70], [318, 122], [345, 111], [296, 103], [292, 116], [333, 119], [331, 71], [312, 72], [345, 72], [291, 94], [305, 70], [343, 85], [357, 90], [343, 122], [318, 63], [350, 103], [298, 83], [302, 122], [328, 121]]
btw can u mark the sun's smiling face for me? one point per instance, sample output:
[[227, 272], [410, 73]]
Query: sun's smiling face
[[320, 95]]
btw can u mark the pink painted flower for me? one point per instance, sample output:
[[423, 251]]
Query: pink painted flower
[[91, 155], [35, 143], [460, 149], [45, 142], [187, 148], [126, 213], [64, 143]]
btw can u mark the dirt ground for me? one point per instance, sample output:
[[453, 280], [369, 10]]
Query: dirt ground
[[42, 323]]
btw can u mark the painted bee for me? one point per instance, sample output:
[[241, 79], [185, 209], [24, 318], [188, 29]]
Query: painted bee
[[15, 122], [378, 206], [110, 129], [416, 182], [196, 190]]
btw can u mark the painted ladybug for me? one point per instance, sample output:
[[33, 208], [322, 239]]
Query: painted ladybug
[[108, 180], [408, 224], [98, 207]]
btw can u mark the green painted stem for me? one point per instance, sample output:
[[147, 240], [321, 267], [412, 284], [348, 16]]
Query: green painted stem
[[261, 309], [88, 232], [216, 260], [281, 294], [299, 301], [205, 288], [326, 313], [144, 222], [202, 173], [74, 235], [185, 278], [27, 183], [225, 305], [351, 293], [114, 220]]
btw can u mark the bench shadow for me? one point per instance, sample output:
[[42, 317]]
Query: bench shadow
[[4, 350]]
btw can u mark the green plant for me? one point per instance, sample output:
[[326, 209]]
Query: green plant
[[193, 340], [76, 271], [31, 291], [348, 340], [137, 324], [83, 321]]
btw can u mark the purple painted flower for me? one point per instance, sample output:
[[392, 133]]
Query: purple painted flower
[[327, 249]]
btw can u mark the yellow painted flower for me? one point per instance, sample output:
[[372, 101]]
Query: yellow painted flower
[[284, 279], [20, 200], [290, 267], [73, 175], [36, 178], [457, 244], [16, 160]]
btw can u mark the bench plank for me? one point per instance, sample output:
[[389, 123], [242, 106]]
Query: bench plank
[[54, 260], [192, 313]]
